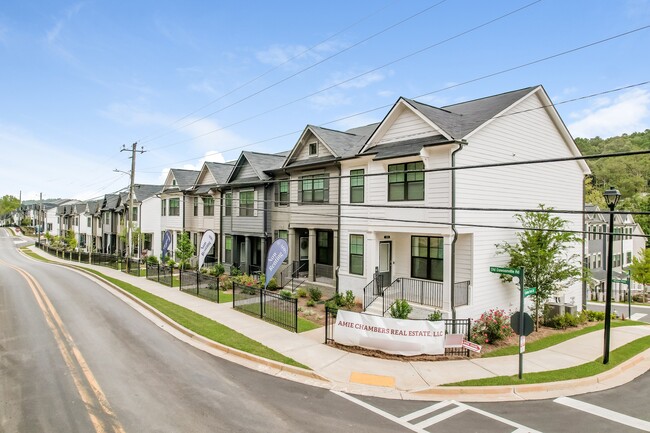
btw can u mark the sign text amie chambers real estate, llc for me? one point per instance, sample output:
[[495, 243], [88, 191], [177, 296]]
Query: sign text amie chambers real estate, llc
[[402, 337]]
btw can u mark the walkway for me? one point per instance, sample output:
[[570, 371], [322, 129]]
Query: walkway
[[343, 371]]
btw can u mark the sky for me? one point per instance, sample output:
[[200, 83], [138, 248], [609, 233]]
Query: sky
[[203, 80]]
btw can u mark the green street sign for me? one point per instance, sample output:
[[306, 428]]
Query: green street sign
[[619, 281], [530, 291], [507, 271]]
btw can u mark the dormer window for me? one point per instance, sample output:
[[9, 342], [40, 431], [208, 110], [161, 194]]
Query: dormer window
[[173, 182], [313, 149]]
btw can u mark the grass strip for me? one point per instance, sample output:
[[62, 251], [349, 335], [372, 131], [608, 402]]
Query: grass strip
[[36, 256], [202, 325], [552, 340]]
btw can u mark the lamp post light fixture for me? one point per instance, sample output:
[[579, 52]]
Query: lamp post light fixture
[[612, 196]]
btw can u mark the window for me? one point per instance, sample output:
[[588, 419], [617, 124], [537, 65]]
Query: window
[[208, 206], [324, 247], [246, 203], [283, 234], [195, 241], [426, 257], [356, 254], [227, 199], [356, 186], [406, 186], [228, 247], [88, 222], [163, 207], [134, 214], [282, 193], [628, 257], [598, 260], [174, 207], [313, 149], [314, 189], [196, 206], [107, 218]]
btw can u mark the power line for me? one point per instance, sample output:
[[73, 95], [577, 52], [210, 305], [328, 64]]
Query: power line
[[318, 62]]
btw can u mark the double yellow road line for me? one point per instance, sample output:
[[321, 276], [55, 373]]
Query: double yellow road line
[[99, 410]]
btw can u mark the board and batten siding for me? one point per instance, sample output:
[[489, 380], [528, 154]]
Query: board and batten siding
[[528, 135]]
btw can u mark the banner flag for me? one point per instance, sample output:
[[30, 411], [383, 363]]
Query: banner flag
[[167, 241], [207, 241], [277, 253]]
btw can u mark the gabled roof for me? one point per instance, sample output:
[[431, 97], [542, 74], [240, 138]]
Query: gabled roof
[[259, 162], [185, 179], [220, 171], [143, 192], [110, 202]]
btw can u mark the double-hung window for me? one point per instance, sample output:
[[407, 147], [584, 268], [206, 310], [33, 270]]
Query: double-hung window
[[208, 206], [282, 193], [246, 203], [227, 211], [406, 181], [356, 254], [228, 248], [427, 257], [314, 189], [196, 206], [163, 207], [356, 186], [174, 207]]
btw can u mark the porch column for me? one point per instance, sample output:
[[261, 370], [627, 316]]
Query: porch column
[[293, 249], [247, 254], [371, 251], [263, 255], [335, 255], [312, 254], [446, 275]]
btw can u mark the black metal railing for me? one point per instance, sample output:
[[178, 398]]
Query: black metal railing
[[452, 326], [372, 290], [423, 292], [325, 271], [199, 284], [270, 306], [461, 293], [291, 275]]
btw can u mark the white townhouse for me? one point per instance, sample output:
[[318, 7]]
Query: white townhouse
[[175, 203], [147, 218], [205, 211], [397, 222]]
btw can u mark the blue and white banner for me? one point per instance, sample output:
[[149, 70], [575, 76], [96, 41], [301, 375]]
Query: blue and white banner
[[277, 253], [167, 241], [401, 337], [207, 241]]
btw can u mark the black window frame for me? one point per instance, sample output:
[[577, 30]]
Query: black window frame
[[227, 206], [355, 256], [404, 177], [282, 197], [176, 209], [434, 266], [195, 205], [307, 193]]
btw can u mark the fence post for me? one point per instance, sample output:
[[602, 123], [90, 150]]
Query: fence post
[[158, 272], [327, 318], [197, 280], [261, 303], [295, 314], [233, 294]]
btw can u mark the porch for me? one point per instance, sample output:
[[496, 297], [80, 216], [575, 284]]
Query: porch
[[424, 296]]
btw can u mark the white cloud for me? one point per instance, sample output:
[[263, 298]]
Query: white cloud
[[279, 54], [331, 98], [54, 36], [357, 83], [606, 117]]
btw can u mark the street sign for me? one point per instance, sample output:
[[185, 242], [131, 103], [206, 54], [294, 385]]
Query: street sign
[[529, 291], [507, 271], [619, 281], [528, 323], [472, 346]]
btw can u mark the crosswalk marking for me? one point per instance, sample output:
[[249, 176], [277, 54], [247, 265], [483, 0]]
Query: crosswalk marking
[[637, 316], [604, 413], [422, 425]]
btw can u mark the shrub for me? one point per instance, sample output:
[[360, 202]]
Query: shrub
[[301, 292], [273, 284], [286, 294], [400, 309], [348, 299], [234, 271], [315, 294], [640, 297], [311, 303], [345, 302], [491, 327], [435, 316], [152, 260], [595, 316], [217, 270], [563, 321]]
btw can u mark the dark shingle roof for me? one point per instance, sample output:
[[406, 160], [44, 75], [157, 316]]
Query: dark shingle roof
[[219, 171], [143, 192], [261, 162], [185, 179], [398, 149]]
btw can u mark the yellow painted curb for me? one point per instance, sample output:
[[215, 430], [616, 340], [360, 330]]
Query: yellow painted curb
[[372, 379]]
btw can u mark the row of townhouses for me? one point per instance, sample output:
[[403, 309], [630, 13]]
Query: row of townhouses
[[375, 203]]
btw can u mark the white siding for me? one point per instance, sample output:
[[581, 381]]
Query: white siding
[[408, 125]]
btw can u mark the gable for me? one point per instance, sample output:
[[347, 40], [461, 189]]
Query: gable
[[205, 177], [308, 143], [244, 171], [403, 123]]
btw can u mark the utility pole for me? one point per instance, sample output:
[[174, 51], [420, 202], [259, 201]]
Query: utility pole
[[133, 151], [40, 217]]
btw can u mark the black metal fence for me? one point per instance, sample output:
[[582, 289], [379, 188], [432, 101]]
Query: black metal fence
[[270, 306], [162, 274], [423, 292], [452, 326], [199, 284]]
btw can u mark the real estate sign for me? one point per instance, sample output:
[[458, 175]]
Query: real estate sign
[[207, 241], [277, 253], [401, 337]]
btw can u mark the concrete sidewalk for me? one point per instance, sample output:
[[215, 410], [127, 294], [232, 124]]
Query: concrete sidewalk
[[343, 371]]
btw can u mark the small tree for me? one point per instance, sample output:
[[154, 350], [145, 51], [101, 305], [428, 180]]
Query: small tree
[[544, 251], [640, 270], [185, 250], [71, 240]]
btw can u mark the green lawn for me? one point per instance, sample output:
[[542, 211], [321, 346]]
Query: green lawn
[[202, 325], [254, 310], [552, 340], [616, 357]]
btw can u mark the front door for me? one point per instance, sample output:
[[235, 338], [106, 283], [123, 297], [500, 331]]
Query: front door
[[385, 260]]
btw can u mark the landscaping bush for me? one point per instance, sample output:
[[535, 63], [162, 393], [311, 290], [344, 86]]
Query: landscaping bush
[[217, 270], [595, 316], [311, 303], [563, 321], [301, 292], [491, 327], [315, 294], [345, 302], [234, 271], [152, 260], [286, 294], [435, 316], [400, 309], [640, 297]]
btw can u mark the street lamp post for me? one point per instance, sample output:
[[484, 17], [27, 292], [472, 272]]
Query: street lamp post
[[612, 196]]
